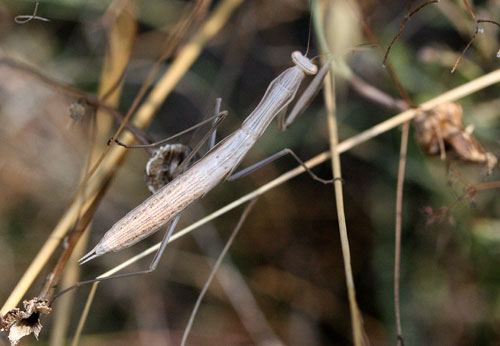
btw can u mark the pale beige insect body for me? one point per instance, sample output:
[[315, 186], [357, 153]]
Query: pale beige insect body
[[156, 211]]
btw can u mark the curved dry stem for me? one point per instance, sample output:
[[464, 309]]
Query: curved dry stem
[[403, 23]]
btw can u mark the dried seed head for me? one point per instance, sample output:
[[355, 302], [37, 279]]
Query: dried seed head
[[441, 131], [21, 323], [77, 110]]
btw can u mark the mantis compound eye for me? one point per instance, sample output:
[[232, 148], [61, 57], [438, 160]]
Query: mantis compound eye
[[304, 63]]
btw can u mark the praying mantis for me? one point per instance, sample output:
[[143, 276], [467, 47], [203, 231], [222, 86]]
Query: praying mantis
[[218, 164]]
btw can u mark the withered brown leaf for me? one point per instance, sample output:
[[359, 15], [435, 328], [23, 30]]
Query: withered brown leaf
[[441, 131]]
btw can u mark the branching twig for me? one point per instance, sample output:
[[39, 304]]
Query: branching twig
[[72, 91], [477, 31], [403, 23]]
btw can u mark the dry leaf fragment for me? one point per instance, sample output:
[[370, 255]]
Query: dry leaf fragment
[[77, 110], [441, 131], [21, 323], [162, 164]]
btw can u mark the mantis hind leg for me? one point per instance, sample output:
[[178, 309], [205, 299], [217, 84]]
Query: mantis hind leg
[[151, 268]]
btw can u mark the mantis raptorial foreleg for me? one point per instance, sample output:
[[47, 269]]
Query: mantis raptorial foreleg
[[284, 122], [304, 100]]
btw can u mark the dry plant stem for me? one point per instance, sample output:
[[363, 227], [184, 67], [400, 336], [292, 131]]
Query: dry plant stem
[[121, 25], [399, 221], [83, 316], [23, 19], [460, 57], [62, 315], [356, 318], [485, 186], [403, 23], [469, 9], [359, 334], [233, 284], [452, 95], [214, 270], [400, 184], [488, 21], [71, 91], [122, 32], [144, 115], [173, 40], [72, 238], [375, 95], [476, 32]]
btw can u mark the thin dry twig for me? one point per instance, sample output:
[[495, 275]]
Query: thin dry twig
[[435, 215], [403, 23], [23, 19], [233, 284], [62, 315], [66, 89], [477, 31], [214, 270], [398, 223], [70, 241], [406, 104]]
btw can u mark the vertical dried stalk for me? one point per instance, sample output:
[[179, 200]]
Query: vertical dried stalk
[[359, 334], [399, 221], [121, 38], [356, 318]]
